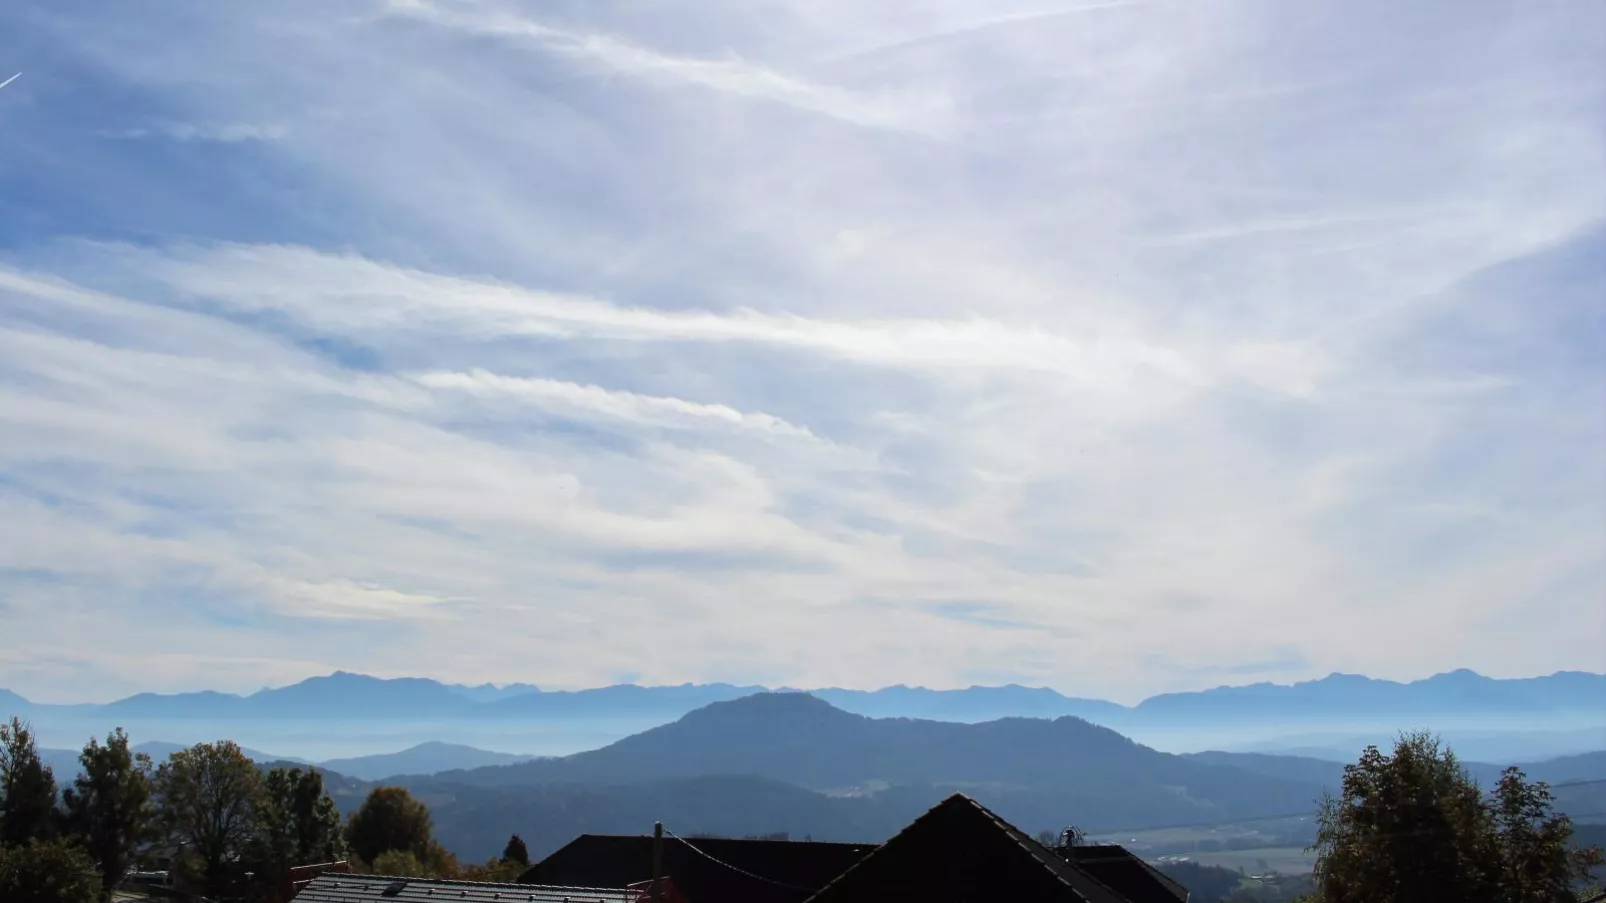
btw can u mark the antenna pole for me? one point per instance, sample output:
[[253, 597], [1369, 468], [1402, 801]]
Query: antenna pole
[[657, 859]]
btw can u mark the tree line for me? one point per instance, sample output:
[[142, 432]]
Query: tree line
[[209, 816]]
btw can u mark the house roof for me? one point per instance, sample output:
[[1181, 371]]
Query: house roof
[[958, 851], [706, 870], [1125, 873], [330, 888]]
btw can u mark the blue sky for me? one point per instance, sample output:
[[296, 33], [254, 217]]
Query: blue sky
[[1115, 346]]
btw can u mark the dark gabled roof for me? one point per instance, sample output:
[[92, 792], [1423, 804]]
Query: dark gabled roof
[[1126, 874], [386, 889], [705, 870], [961, 851]]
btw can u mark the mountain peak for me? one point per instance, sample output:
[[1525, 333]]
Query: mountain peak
[[770, 706]]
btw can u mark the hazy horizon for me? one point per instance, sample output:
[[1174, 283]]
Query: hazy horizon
[[547, 688]]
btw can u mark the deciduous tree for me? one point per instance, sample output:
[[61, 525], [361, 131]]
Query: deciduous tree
[[1414, 826], [390, 819], [206, 799]]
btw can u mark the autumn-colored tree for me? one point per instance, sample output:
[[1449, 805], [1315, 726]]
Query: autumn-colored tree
[[1414, 826], [108, 805], [401, 864], [207, 799], [390, 819], [27, 787]]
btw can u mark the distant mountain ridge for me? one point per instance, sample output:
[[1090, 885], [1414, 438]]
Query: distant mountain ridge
[[349, 696], [425, 758], [805, 741], [810, 766]]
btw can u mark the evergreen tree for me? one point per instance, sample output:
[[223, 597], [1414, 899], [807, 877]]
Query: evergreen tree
[[516, 851], [108, 806], [27, 788]]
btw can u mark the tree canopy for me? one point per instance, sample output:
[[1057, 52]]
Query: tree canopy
[[27, 787], [108, 805], [1413, 825], [516, 851], [390, 819], [296, 821], [206, 799], [48, 871]]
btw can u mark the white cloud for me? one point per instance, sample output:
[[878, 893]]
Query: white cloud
[[910, 111], [643, 409], [1169, 332]]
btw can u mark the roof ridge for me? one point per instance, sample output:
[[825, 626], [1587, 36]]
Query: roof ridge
[[336, 877], [1053, 864]]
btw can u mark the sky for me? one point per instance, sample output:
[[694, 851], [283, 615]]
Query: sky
[[1119, 347]]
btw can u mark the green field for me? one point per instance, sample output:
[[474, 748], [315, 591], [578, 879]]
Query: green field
[[1282, 860]]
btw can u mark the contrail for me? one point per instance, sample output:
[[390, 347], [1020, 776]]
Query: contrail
[[10, 80]]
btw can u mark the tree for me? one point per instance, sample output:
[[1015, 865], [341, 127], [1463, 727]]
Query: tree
[[297, 822], [108, 806], [1537, 862], [27, 787], [207, 799], [390, 819], [48, 871], [1414, 826], [399, 863], [516, 851]]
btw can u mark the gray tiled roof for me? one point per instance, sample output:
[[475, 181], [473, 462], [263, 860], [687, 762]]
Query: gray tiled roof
[[373, 889]]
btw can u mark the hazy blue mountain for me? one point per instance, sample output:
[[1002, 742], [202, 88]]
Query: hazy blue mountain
[[1590, 766], [203, 704], [803, 740], [1457, 703], [1482, 745], [491, 692], [621, 699], [1288, 768], [970, 704], [12, 705], [1355, 696], [357, 696], [423, 759], [64, 762]]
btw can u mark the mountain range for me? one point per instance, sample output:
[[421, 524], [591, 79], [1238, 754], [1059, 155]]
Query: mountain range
[[423, 759], [348, 696], [792, 762]]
